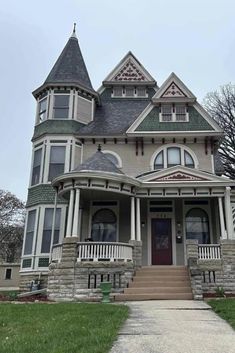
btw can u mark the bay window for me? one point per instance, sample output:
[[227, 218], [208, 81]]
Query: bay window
[[61, 106], [28, 245], [42, 109], [37, 158], [47, 229], [57, 161]]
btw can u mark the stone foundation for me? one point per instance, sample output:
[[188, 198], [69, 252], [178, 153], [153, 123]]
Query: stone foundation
[[26, 279], [70, 280], [137, 253], [209, 276]]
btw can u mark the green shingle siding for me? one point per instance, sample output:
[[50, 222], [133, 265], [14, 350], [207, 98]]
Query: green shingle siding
[[56, 127], [152, 123], [42, 194]]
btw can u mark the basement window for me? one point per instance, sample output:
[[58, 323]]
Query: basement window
[[8, 273]]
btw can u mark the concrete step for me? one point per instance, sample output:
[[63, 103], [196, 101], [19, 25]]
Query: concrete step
[[161, 273], [154, 296], [158, 290], [147, 284], [163, 267], [158, 277]]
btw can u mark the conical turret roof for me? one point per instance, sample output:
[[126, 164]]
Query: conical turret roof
[[98, 162], [70, 66]]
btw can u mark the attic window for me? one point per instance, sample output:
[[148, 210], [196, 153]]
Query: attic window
[[174, 113], [129, 92]]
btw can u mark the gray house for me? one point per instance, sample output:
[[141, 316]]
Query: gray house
[[126, 186]]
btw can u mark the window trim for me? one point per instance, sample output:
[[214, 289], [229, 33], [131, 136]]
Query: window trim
[[49, 157], [135, 89], [67, 107], [41, 165], [182, 149], [173, 114]]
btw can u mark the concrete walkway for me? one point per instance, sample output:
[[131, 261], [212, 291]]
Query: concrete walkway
[[174, 327]]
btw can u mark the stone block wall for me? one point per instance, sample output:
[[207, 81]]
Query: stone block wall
[[137, 253], [26, 279], [207, 276], [70, 280]]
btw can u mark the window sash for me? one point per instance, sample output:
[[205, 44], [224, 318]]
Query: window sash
[[36, 166], [28, 246], [173, 156], [47, 229], [42, 109], [61, 106], [57, 161]]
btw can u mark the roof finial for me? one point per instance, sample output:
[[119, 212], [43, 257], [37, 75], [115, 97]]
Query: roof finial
[[99, 147], [74, 31]]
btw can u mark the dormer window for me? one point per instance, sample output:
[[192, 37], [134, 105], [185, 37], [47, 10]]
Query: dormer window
[[61, 106], [129, 92], [174, 113], [42, 109]]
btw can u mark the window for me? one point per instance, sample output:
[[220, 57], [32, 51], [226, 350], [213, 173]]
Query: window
[[166, 113], [129, 91], [29, 232], [47, 229], [197, 226], [57, 159], [171, 156], [188, 160], [84, 109], [42, 109], [8, 273], [159, 162], [104, 226], [174, 113], [61, 106], [36, 166]]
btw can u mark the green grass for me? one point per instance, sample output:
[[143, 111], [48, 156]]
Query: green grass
[[225, 308], [59, 328]]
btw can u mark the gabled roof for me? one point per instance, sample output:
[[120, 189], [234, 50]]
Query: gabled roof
[[70, 66], [129, 70], [174, 89], [98, 162]]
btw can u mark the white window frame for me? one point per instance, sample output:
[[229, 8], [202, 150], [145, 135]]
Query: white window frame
[[85, 121], [48, 154], [41, 165], [39, 100], [135, 95], [173, 115], [182, 149], [70, 95]]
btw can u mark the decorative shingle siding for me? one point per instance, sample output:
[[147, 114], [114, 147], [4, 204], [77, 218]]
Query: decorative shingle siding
[[42, 194], [152, 123], [56, 127]]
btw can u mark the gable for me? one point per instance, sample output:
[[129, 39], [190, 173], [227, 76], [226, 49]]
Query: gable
[[151, 122], [173, 91], [178, 176], [129, 69]]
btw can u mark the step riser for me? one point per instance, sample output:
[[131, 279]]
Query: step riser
[[169, 290], [163, 296], [161, 279], [159, 284]]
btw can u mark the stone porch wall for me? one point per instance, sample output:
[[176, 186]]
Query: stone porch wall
[[209, 275], [70, 280]]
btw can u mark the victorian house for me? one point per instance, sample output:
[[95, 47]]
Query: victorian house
[[126, 185]]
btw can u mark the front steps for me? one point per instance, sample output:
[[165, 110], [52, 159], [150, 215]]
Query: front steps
[[158, 282]]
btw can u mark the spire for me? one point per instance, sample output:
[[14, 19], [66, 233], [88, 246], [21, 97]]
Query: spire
[[70, 66], [73, 35]]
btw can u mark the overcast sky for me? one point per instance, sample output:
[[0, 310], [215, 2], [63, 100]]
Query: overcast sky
[[195, 39]]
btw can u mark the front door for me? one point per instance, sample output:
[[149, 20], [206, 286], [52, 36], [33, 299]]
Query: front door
[[161, 241]]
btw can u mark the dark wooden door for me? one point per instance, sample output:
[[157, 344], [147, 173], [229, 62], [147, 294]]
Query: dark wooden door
[[161, 241]]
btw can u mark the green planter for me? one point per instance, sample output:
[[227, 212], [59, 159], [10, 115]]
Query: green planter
[[106, 289]]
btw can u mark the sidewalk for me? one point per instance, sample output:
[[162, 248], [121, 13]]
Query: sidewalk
[[174, 327]]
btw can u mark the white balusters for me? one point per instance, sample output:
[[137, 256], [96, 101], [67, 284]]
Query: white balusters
[[98, 251], [209, 252]]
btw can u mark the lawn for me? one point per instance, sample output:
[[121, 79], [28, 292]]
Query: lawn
[[225, 308], [59, 328]]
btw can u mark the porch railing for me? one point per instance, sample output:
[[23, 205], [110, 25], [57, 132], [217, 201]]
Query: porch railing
[[209, 252], [56, 253], [100, 251]]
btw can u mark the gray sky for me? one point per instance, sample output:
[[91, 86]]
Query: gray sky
[[195, 39]]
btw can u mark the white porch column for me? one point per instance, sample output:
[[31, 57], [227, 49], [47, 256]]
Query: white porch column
[[76, 214], [221, 216], [70, 214], [132, 218], [138, 220], [228, 213]]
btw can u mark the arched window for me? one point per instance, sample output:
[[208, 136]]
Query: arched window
[[197, 226], [171, 156], [104, 225]]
